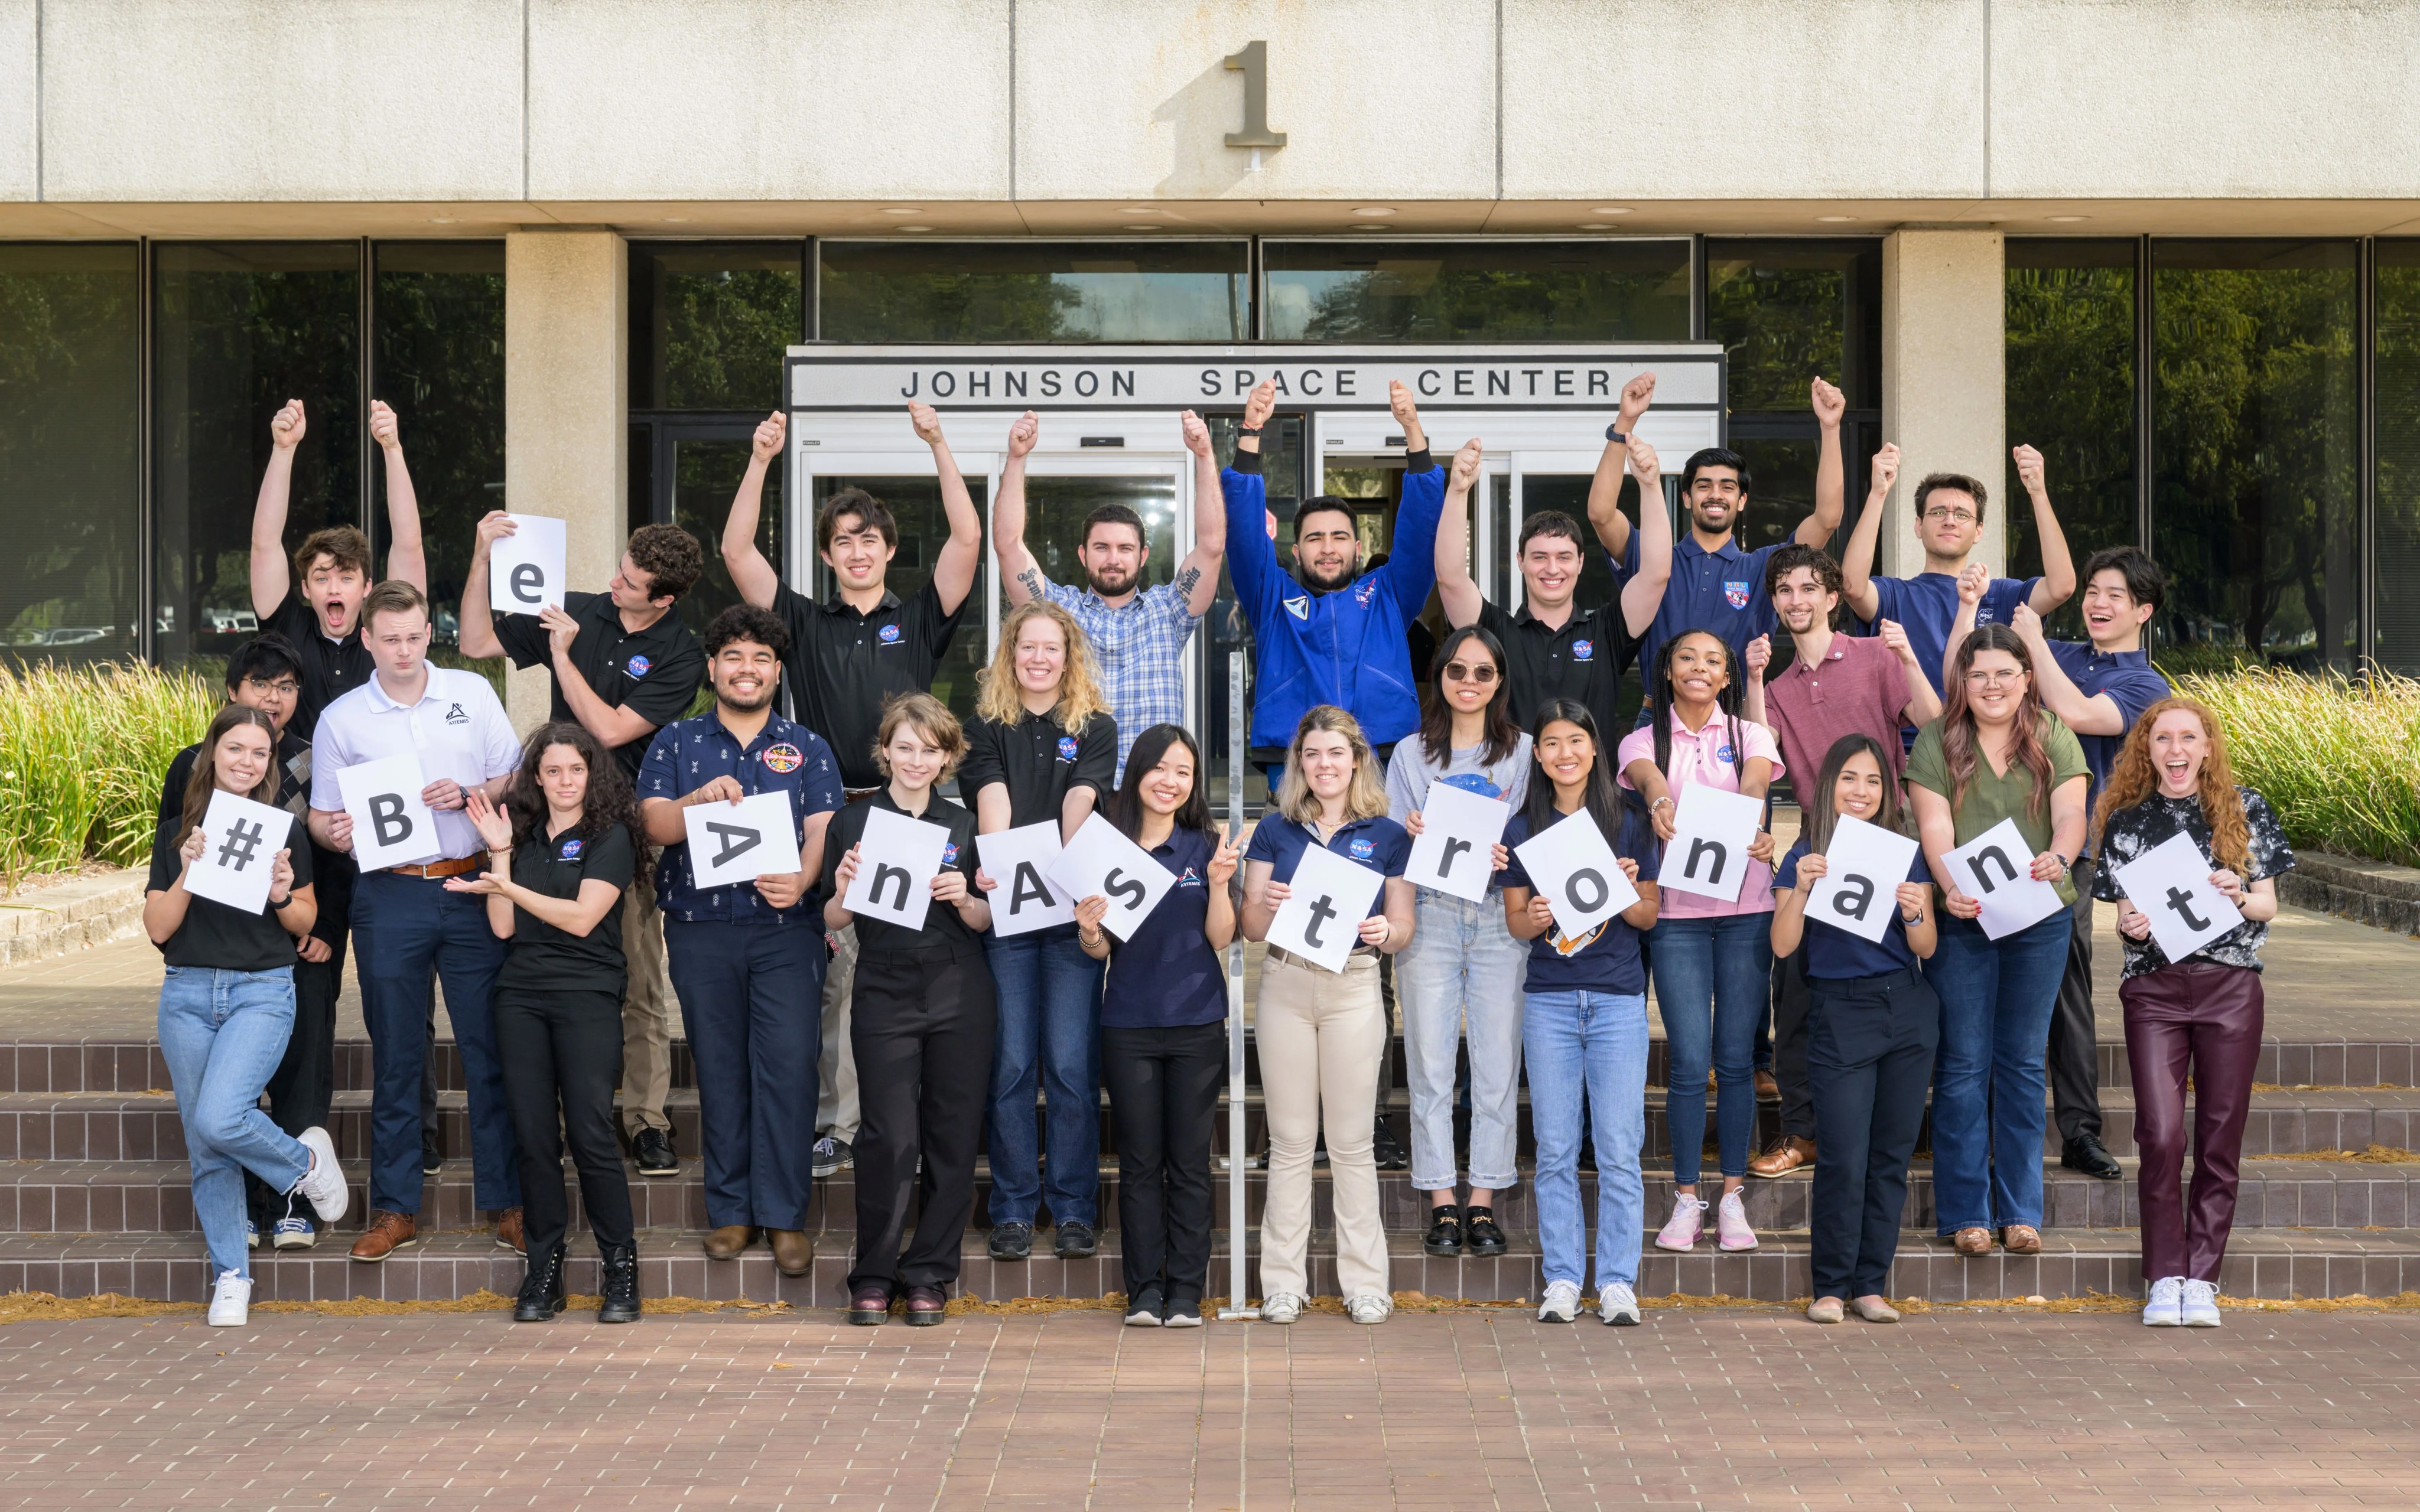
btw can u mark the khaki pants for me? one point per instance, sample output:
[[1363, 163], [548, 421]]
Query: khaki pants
[[836, 1113], [646, 1014], [1321, 1034]]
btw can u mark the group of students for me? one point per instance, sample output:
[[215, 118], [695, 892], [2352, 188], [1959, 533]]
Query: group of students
[[563, 895]]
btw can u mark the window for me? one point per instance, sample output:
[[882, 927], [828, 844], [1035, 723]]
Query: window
[[711, 320], [2397, 357], [439, 359], [2071, 396], [238, 329], [1034, 291], [71, 449], [2254, 504], [1582, 291]]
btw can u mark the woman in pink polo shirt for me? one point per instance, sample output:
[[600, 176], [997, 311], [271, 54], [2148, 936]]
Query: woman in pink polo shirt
[[1712, 961]]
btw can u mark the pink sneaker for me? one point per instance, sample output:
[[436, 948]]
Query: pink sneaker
[[1730, 1223], [1687, 1221]]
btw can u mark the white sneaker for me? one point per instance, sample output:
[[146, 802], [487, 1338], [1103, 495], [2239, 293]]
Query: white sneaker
[[1688, 1221], [295, 1233], [1618, 1304], [1732, 1224], [1367, 1308], [1563, 1302], [232, 1302], [2162, 1310], [324, 1184], [2199, 1308], [1282, 1309]]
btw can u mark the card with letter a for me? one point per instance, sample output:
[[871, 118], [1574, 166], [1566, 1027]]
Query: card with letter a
[[728, 842], [391, 826], [1019, 860], [897, 859], [240, 842]]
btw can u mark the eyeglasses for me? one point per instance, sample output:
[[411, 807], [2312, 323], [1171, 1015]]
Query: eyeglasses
[[1981, 678], [1467, 673], [286, 686], [1938, 514]]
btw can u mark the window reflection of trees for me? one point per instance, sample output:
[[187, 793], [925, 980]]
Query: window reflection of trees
[[2070, 396]]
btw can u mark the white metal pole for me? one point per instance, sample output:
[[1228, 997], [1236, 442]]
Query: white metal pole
[[1236, 1174]]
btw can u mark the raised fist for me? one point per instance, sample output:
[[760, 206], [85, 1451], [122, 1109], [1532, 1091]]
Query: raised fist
[[1643, 463], [1759, 654], [1197, 435], [1400, 400], [382, 425], [1466, 463], [1260, 404], [1636, 396], [1886, 467], [1022, 434], [1973, 580], [286, 427], [927, 422], [2029, 468], [770, 431], [1830, 404]]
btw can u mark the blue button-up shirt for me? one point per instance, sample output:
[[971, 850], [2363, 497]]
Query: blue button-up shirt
[[1722, 591], [785, 757]]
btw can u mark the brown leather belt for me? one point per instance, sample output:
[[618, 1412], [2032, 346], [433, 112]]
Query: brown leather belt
[[477, 861]]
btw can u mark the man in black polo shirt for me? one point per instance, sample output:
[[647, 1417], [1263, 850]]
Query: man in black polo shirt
[[847, 655], [624, 665], [1550, 650]]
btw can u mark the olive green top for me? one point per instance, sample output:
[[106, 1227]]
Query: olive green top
[[1992, 797]]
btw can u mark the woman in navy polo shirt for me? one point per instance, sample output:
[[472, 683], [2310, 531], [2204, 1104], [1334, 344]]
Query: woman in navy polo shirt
[[1321, 1032], [1584, 1024], [1872, 1026], [1163, 1027]]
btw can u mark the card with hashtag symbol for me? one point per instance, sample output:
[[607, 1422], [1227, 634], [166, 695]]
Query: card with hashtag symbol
[[242, 840]]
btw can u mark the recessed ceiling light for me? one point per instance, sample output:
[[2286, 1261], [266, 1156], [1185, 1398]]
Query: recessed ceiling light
[[1145, 226], [1834, 219], [1367, 210], [441, 220], [1371, 225], [913, 228], [675, 219], [1596, 225], [1609, 210], [1140, 209], [2070, 218], [903, 209]]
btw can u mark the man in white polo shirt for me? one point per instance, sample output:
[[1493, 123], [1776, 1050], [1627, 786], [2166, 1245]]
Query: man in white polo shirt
[[406, 925]]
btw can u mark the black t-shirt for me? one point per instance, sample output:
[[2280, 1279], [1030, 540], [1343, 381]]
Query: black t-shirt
[[944, 931], [1038, 762], [549, 960], [1582, 660], [842, 664], [215, 936], [653, 672], [330, 668]]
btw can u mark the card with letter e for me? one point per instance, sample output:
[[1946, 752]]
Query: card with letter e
[[1327, 900], [728, 842], [392, 826], [240, 842], [897, 859], [2170, 884], [1574, 870], [1101, 860], [1995, 868], [1019, 860], [1456, 849], [1862, 870], [525, 569]]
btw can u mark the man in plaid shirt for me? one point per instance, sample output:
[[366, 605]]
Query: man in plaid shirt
[[1138, 634]]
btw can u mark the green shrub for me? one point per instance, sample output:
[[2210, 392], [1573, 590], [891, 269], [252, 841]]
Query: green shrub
[[2335, 757], [83, 753]]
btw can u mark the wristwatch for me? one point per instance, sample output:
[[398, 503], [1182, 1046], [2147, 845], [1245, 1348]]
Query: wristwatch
[[1613, 435]]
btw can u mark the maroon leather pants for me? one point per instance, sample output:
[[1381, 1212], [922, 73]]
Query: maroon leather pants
[[2200, 1020]]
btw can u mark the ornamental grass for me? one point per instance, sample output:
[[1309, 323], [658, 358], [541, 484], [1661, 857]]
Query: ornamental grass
[[83, 753], [2337, 757]]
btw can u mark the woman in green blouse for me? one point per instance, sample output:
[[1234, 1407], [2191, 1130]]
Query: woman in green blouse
[[1995, 754]]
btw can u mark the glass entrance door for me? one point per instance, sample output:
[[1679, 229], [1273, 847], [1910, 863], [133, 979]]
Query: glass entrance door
[[693, 469]]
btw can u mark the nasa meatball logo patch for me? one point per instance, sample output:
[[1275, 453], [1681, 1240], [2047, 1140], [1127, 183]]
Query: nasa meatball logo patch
[[1067, 747], [1583, 650], [889, 635], [950, 855], [571, 849], [1363, 850], [637, 666]]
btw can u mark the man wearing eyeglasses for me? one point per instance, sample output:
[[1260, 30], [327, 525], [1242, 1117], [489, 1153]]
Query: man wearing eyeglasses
[[1949, 523]]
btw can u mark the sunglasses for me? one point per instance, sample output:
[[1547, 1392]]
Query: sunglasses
[[1463, 671]]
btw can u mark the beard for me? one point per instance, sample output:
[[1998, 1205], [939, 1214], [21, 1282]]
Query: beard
[[1109, 584], [1315, 579], [746, 703]]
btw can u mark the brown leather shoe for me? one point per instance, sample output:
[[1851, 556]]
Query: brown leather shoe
[[793, 1253], [1788, 1153], [2021, 1239], [385, 1233], [726, 1242], [1972, 1242], [1767, 1089], [509, 1233]]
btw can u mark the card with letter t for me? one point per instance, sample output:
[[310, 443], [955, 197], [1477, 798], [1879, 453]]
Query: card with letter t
[[2170, 884], [240, 841]]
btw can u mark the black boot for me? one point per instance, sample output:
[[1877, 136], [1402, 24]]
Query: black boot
[[541, 1295], [621, 1303]]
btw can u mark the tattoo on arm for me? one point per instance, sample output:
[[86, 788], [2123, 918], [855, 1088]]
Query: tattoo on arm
[[1186, 581], [1031, 579]]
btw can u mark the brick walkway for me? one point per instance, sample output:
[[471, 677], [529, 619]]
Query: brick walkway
[[1695, 1409]]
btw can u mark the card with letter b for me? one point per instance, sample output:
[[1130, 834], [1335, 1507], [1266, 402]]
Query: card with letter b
[[240, 841], [728, 842], [1862, 870], [897, 859], [392, 826]]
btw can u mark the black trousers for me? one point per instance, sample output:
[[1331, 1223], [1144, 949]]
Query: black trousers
[[921, 1027], [1790, 1002], [1869, 1048], [2074, 1060], [562, 1054], [303, 1084], [1164, 1101]]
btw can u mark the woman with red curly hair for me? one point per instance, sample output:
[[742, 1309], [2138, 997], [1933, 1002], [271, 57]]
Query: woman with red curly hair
[[2198, 1019]]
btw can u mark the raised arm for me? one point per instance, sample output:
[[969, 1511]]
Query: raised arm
[[2096, 715], [1456, 589], [1858, 561], [1973, 580], [1411, 568], [1642, 596], [961, 558], [272, 574], [1197, 575], [1252, 556], [2058, 582], [754, 577], [1604, 490], [478, 632], [1021, 575], [1831, 477], [405, 558], [1923, 704]]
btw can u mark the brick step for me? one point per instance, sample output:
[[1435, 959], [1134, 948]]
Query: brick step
[[124, 1065], [155, 1197], [2271, 1263]]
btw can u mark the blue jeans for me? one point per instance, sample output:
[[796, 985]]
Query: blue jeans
[[223, 1033], [1050, 1034], [752, 1004], [1461, 977], [1712, 980], [1996, 998], [1587, 1048], [404, 929]]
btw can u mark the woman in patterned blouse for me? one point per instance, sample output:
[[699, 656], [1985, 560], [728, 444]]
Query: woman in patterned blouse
[[2198, 1019]]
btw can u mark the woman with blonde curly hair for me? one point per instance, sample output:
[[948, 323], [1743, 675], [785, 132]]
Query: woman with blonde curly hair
[[1042, 749], [2197, 1020]]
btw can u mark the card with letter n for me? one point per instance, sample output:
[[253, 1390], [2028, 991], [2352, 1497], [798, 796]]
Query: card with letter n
[[1574, 870], [1100, 861], [1862, 870], [728, 842], [897, 859], [392, 826], [240, 845], [1328, 899], [1456, 849], [2170, 884], [1995, 868], [525, 569], [1019, 862], [1712, 829]]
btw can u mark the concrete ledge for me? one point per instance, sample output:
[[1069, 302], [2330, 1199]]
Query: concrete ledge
[[2376, 893], [70, 916]]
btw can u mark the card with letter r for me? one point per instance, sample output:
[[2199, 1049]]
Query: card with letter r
[[728, 842]]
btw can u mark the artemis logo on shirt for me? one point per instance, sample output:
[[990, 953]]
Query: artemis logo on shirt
[[1735, 593], [1191, 879], [571, 849], [1583, 650], [455, 715], [888, 634], [1298, 607], [1067, 747], [637, 666]]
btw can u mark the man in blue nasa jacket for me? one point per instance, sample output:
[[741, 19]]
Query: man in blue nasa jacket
[[1331, 633]]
